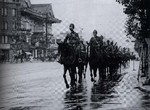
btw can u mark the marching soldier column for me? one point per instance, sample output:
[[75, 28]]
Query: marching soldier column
[[104, 56]]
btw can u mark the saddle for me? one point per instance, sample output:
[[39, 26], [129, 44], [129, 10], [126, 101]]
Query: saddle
[[68, 54]]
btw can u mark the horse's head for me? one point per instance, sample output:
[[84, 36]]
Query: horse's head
[[64, 48]]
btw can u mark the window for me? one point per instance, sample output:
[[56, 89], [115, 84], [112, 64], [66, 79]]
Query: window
[[5, 11], [2, 11], [13, 12], [4, 25], [14, 26], [6, 39], [3, 40]]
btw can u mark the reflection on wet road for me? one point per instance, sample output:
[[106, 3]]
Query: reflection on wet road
[[40, 86]]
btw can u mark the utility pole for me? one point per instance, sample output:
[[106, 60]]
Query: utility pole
[[46, 20], [46, 28]]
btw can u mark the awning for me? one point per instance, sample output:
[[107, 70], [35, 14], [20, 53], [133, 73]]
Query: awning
[[28, 53]]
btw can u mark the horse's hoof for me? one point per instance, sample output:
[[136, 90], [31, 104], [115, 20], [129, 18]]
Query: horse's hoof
[[73, 87], [75, 80], [92, 79], [67, 86], [80, 80], [94, 83]]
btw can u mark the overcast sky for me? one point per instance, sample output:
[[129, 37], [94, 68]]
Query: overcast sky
[[104, 15]]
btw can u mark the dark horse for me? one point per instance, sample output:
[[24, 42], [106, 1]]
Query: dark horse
[[72, 58], [82, 52], [68, 59], [96, 62]]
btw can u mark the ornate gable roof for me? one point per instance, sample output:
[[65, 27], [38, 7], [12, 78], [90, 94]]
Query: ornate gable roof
[[44, 9]]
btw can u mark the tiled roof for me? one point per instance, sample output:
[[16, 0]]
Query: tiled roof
[[40, 11], [32, 12], [43, 8], [25, 3], [46, 11]]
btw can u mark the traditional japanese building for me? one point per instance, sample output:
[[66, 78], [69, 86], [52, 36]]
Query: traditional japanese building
[[36, 22], [25, 27]]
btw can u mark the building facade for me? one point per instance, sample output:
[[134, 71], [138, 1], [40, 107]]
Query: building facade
[[10, 25], [25, 27], [37, 19]]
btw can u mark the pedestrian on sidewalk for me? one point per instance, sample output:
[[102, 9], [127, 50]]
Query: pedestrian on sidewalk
[[31, 58]]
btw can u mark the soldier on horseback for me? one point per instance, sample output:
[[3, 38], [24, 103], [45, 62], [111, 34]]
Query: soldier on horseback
[[96, 55], [96, 41], [72, 37], [69, 54]]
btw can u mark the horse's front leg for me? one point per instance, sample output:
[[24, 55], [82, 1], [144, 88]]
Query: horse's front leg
[[80, 71], [91, 74], [102, 73], [85, 69], [75, 75], [64, 76], [95, 71], [72, 76]]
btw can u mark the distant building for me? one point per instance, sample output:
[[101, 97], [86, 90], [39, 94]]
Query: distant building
[[10, 25], [49, 19], [26, 27]]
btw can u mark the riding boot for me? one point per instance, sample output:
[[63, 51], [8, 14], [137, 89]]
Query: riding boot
[[80, 76], [80, 79], [92, 79]]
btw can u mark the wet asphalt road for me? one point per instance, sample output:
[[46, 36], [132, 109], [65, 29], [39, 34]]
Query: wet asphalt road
[[40, 86]]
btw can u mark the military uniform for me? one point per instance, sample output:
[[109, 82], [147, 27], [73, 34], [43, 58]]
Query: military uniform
[[96, 41], [72, 38]]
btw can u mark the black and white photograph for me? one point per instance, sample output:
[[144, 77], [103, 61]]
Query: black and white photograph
[[74, 54]]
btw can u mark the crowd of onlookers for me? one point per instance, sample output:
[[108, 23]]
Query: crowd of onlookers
[[21, 58]]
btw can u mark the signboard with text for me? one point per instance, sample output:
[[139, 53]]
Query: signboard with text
[[4, 46]]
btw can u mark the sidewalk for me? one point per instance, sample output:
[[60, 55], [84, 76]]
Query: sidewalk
[[143, 88]]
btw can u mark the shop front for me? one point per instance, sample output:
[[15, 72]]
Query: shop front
[[5, 52]]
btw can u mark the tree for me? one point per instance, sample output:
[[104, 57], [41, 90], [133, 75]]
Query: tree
[[138, 22], [138, 26]]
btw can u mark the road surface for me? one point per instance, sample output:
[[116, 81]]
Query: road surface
[[40, 86]]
